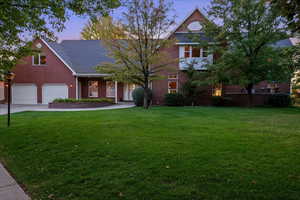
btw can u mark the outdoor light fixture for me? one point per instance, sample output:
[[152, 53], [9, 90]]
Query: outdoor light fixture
[[9, 76]]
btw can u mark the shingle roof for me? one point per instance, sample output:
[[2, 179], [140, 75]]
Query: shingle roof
[[283, 43], [82, 55], [190, 37]]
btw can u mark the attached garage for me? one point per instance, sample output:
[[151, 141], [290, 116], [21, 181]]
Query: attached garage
[[24, 94], [54, 91]]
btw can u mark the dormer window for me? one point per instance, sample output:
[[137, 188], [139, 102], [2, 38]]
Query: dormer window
[[39, 59]]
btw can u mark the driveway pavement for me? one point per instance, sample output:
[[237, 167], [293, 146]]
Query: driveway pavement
[[9, 189], [41, 107]]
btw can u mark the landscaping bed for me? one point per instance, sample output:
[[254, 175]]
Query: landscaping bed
[[80, 103]]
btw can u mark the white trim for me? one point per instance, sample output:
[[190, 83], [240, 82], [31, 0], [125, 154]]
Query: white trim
[[116, 92], [190, 14], [191, 43], [76, 87], [92, 75], [74, 73]]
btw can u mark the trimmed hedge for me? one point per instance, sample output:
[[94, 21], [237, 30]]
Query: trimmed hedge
[[99, 100], [279, 100], [175, 99], [138, 96], [221, 101]]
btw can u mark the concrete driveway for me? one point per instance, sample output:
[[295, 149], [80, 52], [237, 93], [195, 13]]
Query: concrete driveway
[[21, 108], [41, 107]]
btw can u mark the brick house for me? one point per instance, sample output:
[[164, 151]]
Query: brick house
[[67, 70]]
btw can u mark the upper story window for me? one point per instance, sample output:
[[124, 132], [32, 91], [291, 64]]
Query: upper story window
[[39, 59], [195, 52], [204, 52]]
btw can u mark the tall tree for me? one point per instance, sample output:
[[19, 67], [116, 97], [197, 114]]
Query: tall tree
[[93, 30], [243, 41], [20, 20], [290, 9], [139, 58]]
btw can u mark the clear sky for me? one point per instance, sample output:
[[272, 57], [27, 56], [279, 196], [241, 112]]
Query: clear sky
[[182, 9]]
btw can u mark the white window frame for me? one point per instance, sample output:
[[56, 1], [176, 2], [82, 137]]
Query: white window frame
[[191, 52], [171, 79], [91, 96], [39, 58], [107, 88]]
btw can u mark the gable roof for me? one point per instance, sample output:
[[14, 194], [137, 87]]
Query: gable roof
[[82, 56], [185, 19]]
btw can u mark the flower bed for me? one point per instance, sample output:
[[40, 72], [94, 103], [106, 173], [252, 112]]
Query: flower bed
[[80, 103]]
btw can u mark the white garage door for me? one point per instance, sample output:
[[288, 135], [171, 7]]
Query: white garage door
[[24, 94], [54, 91]]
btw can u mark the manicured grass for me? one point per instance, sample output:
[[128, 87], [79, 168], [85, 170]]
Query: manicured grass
[[161, 153]]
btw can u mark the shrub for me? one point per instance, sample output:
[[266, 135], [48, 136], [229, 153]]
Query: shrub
[[99, 100], [138, 96], [279, 100], [221, 101], [175, 99]]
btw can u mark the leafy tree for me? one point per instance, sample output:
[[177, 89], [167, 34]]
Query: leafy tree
[[191, 89], [293, 55], [20, 20], [94, 29], [139, 58], [290, 9], [243, 43]]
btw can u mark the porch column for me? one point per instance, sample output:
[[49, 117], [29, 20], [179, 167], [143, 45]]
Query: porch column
[[77, 88], [116, 92]]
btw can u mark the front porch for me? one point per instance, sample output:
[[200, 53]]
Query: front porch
[[99, 87]]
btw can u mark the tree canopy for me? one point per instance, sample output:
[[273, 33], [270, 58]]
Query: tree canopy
[[139, 58], [290, 9], [21, 20], [93, 30], [244, 43]]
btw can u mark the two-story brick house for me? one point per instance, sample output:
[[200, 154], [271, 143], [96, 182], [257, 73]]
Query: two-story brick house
[[67, 70]]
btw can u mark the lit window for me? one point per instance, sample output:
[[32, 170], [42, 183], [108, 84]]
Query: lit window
[[195, 52], [217, 90], [39, 59], [93, 89], [187, 52], [172, 86], [172, 83], [110, 89], [172, 76]]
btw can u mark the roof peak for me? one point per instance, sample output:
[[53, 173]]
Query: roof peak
[[197, 8]]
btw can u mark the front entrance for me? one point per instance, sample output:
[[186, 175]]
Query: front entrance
[[128, 89]]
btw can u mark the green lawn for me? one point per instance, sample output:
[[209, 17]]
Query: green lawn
[[161, 153]]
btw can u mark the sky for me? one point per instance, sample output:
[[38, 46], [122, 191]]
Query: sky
[[181, 8]]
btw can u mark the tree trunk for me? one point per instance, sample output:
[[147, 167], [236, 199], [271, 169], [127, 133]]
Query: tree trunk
[[146, 98], [146, 94], [249, 88]]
